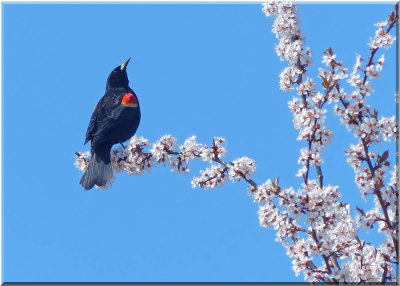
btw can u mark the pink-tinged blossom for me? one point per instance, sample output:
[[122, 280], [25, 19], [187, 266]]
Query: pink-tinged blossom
[[217, 150], [369, 125], [189, 149], [328, 59], [301, 171], [393, 178], [380, 63], [387, 249], [242, 168], [316, 158], [300, 255], [135, 160], [335, 95], [305, 153], [342, 274], [306, 87], [303, 120], [295, 105], [354, 79], [159, 149], [270, 216], [288, 77], [388, 127], [389, 196], [219, 147], [369, 218], [287, 50], [325, 136], [211, 177], [357, 64], [355, 155], [318, 98], [340, 71], [381, 24], [305, 59], [118, 158], [269, 8], [267, 214], [324, 74], [366, 264], [291, 201], [82, 160], [381, 39], [206, 153], [372, 71], [286, 23], [264, 193], [364, 180]]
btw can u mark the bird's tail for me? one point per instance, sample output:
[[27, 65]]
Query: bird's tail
[[99, 171]]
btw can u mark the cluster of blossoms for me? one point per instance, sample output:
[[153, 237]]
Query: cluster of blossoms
[[388, 128], [331, 231], [286, 28], [330, 228], [81, 161], [139, 155], [370, 167], [382, 38], [308, 112], [353, 110], [242, 168]]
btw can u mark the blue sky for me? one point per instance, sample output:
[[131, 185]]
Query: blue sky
[[208, 70]]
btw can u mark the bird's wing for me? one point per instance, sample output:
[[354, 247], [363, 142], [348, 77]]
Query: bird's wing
[[103, 114], [92, 125]]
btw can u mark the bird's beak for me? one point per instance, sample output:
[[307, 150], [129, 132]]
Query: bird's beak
[[123, 66]]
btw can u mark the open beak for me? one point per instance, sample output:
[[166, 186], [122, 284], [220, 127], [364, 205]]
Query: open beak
[[123, 66]]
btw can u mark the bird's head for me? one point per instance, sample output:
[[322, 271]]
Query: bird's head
[[118, 77]]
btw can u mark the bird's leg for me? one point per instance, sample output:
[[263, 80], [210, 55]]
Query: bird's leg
[[122, 145]]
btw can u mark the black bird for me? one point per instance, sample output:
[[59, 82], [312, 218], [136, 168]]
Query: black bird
[[114, 120]]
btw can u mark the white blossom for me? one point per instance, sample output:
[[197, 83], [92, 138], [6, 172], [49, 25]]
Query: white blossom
[[388, 127], [328, 59], [211, 177], [380, 63], [135, 160], [357, 64], [381, 39], [159, 149], [81, 160], [206, 153], [372, 71], [354, 80], [288, 77], [263, 193], [393, 179], [369, 125], [118, 158], [242, 168]]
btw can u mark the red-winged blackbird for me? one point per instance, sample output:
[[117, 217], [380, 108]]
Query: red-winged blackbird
[[114, 120]]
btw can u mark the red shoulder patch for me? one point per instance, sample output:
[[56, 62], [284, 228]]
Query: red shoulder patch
[[129, 100]]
